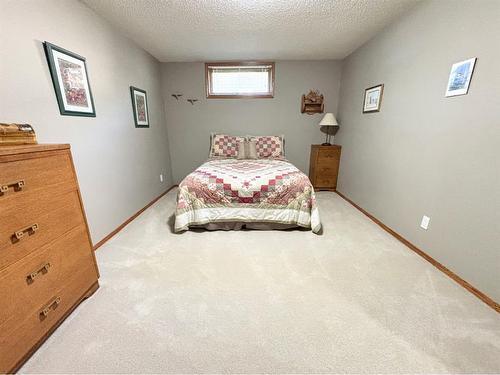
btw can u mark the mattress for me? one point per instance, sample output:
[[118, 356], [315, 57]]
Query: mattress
[[262, 191]]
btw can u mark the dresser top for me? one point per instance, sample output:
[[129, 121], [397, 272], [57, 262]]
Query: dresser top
[[326, 147], [24, 149]]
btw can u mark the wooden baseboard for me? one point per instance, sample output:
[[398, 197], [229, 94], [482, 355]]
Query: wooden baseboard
[[124, 224], [483, 297]]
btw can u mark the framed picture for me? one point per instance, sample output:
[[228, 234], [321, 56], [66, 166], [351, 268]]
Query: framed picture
[[460, 76], [71, 81], [140, 107], [373, 98]]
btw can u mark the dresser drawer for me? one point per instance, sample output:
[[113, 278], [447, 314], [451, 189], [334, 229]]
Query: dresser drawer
[[20, 177], [17, 338], [327, 170], [26, 285], [37, 219], [325, 181], [327, 155]]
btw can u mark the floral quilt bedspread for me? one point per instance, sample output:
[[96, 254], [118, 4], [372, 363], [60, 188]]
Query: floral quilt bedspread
[[231, 190]]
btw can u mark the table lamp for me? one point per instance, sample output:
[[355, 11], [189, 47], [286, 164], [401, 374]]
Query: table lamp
[[330, 123]]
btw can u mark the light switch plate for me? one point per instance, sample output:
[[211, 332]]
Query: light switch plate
[[425, 222], [161, 177]]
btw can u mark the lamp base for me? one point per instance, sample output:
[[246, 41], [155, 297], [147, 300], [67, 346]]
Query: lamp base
[[327, 140]]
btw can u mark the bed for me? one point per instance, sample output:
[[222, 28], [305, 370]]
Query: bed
[[227, 193]]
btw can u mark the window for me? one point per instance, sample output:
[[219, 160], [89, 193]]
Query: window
[[239, 80]]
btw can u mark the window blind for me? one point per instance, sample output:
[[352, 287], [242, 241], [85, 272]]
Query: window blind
[[234, 80]]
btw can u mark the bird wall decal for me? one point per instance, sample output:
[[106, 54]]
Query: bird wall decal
[[192, 101], [177, 96]]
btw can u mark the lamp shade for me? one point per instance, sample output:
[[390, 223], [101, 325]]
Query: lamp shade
[[328, 120]]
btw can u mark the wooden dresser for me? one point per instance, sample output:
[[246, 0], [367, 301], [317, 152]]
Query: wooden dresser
[[47, 265], [324, 166]]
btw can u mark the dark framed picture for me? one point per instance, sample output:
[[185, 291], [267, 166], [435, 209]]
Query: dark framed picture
[[71, 81], [460, 76], [373, 98], [140, 107]]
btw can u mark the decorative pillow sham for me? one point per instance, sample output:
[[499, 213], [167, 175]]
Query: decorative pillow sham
[[241, 151], [247, 150], [251, 150], [224, 145], [269, 146]]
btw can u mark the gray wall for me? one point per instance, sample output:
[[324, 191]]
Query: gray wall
[[424, 153], [118, 166], [189, 126]]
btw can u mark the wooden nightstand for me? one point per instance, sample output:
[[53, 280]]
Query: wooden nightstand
[[324, 166]]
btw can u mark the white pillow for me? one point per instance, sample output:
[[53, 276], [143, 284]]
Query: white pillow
[[247, 150]]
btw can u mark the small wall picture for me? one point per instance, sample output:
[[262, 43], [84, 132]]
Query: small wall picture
[[140, 107], [373, 98], [460, 76], [70, 80]]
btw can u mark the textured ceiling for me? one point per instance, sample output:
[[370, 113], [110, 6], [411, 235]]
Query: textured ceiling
[[199, 30]]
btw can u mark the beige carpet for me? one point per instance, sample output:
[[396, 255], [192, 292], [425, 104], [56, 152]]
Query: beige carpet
[[353, 300]]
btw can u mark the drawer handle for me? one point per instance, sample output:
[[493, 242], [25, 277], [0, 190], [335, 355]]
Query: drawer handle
[[16, 185], [33, 275], [52, 305], [30, 229]]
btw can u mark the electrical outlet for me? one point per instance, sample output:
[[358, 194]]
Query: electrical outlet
[[161, 177], [425, 222]]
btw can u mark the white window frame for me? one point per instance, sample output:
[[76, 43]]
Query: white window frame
[[240, 64]]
